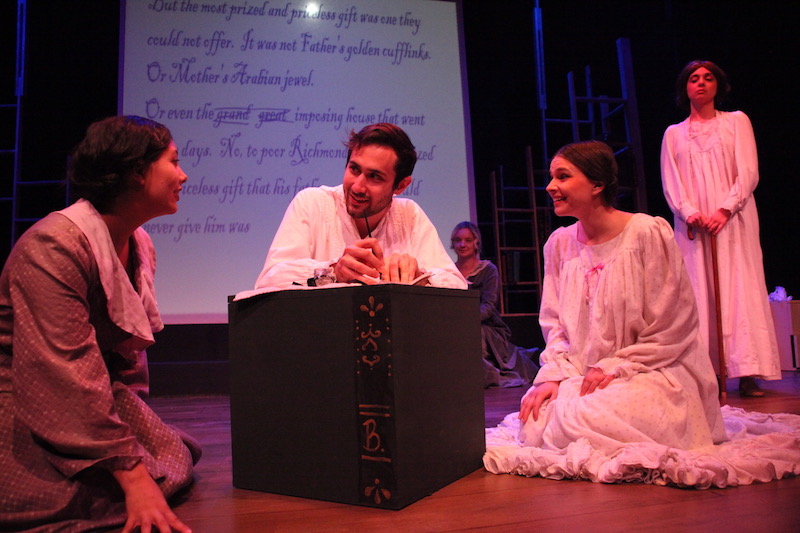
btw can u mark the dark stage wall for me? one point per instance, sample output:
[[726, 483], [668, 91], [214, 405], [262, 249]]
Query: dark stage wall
[[749, 40], [72, 81]]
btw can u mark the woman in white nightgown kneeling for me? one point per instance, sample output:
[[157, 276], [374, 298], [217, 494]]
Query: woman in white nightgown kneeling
[[626, 390]]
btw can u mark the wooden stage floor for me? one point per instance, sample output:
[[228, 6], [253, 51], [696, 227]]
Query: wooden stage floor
[[482, 501]]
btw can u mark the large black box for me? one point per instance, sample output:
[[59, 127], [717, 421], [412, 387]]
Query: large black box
[[363, 395]]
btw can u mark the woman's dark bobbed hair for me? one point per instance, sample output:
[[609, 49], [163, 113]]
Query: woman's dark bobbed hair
[[113, 151]]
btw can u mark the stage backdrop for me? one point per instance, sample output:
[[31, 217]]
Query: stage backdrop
[[261, 95]]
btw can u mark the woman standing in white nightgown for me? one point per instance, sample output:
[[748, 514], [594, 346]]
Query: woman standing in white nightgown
[[709, 169], [626, 390]]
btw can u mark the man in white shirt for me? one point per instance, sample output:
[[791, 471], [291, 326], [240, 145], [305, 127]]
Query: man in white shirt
[[358, 228]]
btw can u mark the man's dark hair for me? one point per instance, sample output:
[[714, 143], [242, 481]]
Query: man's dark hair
[[392, 136]]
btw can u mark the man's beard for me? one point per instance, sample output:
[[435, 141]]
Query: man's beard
[[369, 210]]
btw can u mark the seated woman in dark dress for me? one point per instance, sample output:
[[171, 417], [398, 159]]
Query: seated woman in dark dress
[[505, 365]]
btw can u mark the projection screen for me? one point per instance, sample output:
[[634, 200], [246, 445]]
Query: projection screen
[[261, 95]]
